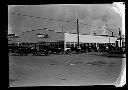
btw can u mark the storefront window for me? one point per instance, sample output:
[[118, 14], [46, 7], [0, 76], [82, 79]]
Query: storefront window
[[68, 45], [89, 44], [72, 42], [97, 44], [72, 45]]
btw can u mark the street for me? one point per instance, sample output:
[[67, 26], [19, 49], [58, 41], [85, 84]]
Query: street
[[75, 69]]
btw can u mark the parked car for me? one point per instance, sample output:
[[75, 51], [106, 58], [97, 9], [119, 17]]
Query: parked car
[[20, 50]]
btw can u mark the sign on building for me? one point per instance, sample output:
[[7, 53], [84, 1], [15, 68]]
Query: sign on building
[[42, 35]]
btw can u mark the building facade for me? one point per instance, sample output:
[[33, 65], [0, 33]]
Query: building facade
[[96, 40], [38, 38], [64, 40], [12, 39]]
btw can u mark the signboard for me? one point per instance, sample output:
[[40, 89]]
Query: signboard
[[42, 35]]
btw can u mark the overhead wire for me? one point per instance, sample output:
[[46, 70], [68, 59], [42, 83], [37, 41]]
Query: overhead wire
[[60, 20]]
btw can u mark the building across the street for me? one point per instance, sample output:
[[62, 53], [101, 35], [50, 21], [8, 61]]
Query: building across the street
[[12, 39], [44, 36], [96, 40], [120, 43]]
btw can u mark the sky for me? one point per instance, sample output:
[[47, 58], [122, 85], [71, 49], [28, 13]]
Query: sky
[[94, 14]]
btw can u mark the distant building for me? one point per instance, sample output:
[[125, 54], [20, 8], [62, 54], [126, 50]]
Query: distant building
[[12, 38], [36, 38], [89, 40], [122, 41]]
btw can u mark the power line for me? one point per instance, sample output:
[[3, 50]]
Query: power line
[[60, 20], [37, 17]]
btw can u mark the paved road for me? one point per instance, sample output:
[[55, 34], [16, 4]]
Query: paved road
[[77, 69]]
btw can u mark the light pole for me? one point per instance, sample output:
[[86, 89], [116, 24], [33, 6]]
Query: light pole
[[110, 36], [109, 31]]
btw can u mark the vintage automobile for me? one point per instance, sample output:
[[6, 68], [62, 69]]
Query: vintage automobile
[[47, 50], [43, 50], [20, 50]]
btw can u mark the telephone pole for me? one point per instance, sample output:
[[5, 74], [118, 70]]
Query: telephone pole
[[18, 43], [94, 33], [120, 36], [64, 41], [78, 32]]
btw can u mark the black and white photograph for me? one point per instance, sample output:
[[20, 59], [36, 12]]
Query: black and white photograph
[[66, 45]]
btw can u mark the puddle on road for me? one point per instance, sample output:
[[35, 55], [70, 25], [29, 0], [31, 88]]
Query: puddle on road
[[63, 79], [101, 63], [52, 64], [97, 63], [73, 63], [78, 62]]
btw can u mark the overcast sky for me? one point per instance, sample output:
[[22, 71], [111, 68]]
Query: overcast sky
[[94, 14]]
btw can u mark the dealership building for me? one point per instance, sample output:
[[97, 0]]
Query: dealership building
[[44, 36]]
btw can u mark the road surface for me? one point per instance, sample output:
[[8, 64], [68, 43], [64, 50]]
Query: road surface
[[76, 69]]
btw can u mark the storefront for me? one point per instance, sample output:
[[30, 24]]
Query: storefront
[[40, 37], [88, 40]]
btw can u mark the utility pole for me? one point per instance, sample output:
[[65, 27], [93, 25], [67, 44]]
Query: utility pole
[[109, 31], [108, 34], [112, 34], [18, 43], [94, 33], [78, 32], [64, 41], [109, 40], [120, 36], [110, 37]]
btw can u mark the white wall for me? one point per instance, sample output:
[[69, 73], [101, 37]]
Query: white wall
[[88, 38]]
